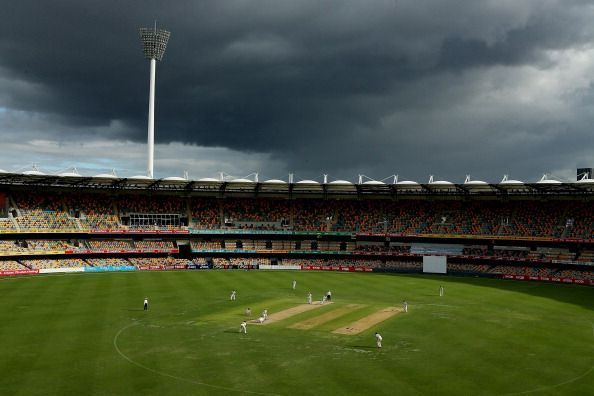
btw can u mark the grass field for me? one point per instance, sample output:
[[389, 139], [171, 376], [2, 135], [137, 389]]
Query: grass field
[[86, 334]]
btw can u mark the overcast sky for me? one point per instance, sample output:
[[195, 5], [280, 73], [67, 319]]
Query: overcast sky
[[346, 87]]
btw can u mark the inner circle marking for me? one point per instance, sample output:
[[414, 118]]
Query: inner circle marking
[[161, 373]]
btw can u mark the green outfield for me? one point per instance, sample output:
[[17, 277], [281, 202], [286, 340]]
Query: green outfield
[[87, 334]]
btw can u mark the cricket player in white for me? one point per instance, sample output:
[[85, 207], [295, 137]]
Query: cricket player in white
[[146, 303], [248, 312], [261, 319], [233, 295], [243, 327], [378, 339], [265, 314], [309, 298], [405, 304], [441, 291], [294, 284]]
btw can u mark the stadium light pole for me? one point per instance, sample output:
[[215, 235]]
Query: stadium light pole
[[154, 43]]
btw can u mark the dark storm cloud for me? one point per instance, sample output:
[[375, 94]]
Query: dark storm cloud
[[343, 87]]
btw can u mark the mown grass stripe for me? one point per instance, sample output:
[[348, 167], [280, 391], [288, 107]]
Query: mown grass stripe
[[325, 317], [368, 321]]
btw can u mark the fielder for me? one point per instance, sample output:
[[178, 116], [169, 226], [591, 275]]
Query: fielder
[[233, 295], [243, 327], [309, 298], [441, 291], [294, 284], [248, 312], [265, 314], [378, 340], [405, 305], [146, 303]]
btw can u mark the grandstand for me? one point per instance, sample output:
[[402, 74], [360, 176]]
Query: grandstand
[[530, 230]]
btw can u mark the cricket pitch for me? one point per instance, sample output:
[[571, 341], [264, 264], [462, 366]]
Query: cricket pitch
[[328, 316], [368, 321], [287, 313]]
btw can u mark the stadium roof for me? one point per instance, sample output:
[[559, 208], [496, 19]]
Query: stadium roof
[[545, 186]]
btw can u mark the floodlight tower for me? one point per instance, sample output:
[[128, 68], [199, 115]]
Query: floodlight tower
[[154, 42]]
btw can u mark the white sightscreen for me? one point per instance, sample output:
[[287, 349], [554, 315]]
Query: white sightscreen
[[435, 264]]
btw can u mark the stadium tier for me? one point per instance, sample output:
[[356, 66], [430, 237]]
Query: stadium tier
[[91, 213], [532, 236]]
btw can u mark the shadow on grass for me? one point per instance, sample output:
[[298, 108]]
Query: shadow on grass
[[569, 293], [362, 346], [133, 309]]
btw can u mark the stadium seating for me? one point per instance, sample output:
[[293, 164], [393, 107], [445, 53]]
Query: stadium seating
[[238, 262], [110, 244], [7, 247], [151, 204], [403, 265], [157, 261], [206, 245], [103, 262], [40, 212], [206, 213], [505, 236], [11, 265], [54, 263], [269, 214], [153, 245]]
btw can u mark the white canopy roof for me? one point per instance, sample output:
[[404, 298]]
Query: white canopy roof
[[106, 176], [275, 181], [241, 181], [69, 174], [506, 181], [585, 181], [374, 183], [307, 182], [343, 182], [476, 183], [174, 178]]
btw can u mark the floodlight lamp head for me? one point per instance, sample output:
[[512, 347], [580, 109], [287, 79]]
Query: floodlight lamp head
[[154, 42]]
